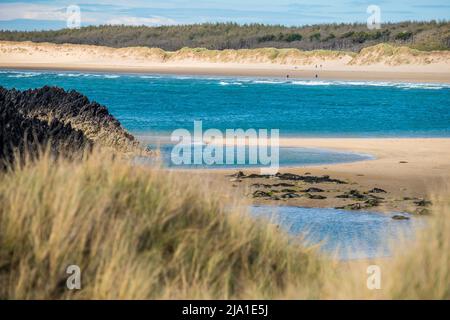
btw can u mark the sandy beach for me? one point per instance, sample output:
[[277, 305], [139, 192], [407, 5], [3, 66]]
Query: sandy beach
[[408, 169], [370, 64]]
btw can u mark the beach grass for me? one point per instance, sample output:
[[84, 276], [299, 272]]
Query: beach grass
[[136, 233], [147, 233]]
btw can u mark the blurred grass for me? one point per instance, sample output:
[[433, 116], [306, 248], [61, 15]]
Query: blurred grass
[[136, 233], [147, 233]]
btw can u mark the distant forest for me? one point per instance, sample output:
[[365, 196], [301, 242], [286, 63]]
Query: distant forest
[[432, 35]]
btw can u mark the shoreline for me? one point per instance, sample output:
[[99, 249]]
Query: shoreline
[[408, 169], [273, 71]]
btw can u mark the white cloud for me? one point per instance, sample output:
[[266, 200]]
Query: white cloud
[[138, 21], [12, 11]]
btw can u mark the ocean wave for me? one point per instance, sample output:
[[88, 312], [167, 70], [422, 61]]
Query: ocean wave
[[224, 83], [23, 74], [177, 77], [423, 86], [400, 85], [269, 82], [72, 75], [111, 76], [311, 83], [365, 83], [149, 77], [88, 75]]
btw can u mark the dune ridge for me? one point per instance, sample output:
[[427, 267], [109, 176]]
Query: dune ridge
[[394, 56], [383, 54]]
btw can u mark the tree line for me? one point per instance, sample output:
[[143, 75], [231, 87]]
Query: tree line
[[431, 35]]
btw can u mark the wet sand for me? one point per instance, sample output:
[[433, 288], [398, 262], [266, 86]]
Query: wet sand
[[409, 170]]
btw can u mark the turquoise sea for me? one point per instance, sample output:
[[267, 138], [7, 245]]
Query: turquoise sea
[[158, 104]]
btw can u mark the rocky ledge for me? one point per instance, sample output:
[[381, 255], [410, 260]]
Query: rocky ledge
[[65, 119], [323, 191]]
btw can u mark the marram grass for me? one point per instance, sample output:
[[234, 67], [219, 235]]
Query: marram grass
[[136, 233], [146, 233]]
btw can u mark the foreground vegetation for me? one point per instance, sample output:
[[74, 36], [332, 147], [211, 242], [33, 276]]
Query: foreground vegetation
[[430, 35], [135, 233], [140, 233]]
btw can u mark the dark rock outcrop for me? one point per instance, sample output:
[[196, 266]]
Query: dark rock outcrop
[[73, 109], [283, 184], [352, 194], [308, 179], [288, 190], [400, 217], [26, 136], [290, 195], [261, 194], [289, 177], [370, 203], [377, 190], [355, 194], [315, 196], [423, 203], [65, 121], [313, 189]]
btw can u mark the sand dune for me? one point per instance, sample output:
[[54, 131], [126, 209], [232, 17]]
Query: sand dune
[[383, 61], [396, 56]]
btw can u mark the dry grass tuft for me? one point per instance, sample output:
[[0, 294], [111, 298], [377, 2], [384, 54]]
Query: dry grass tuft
[[146, 233], [136, 233]]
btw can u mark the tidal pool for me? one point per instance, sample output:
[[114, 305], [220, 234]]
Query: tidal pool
[[349, 234], [288, 157]]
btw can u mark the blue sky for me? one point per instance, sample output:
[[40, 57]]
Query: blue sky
[[43, 14]]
